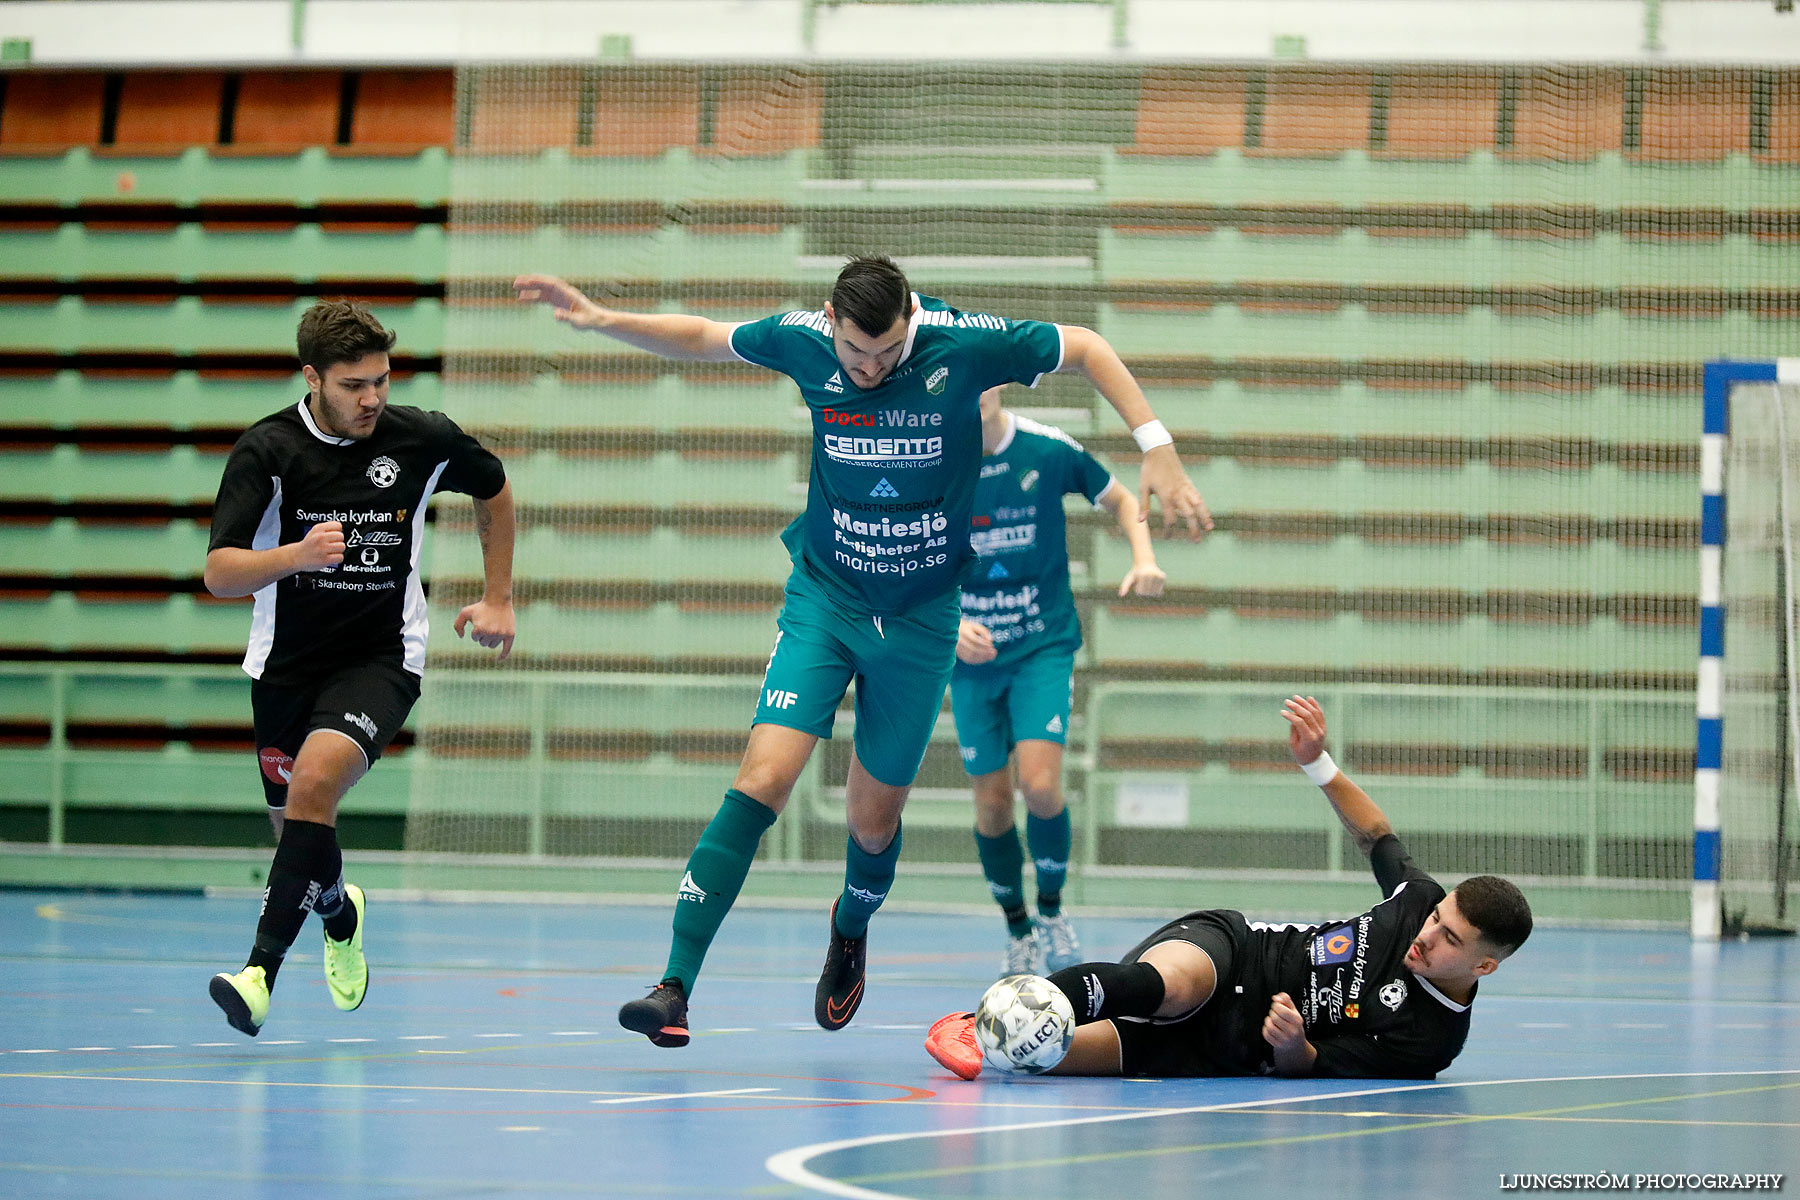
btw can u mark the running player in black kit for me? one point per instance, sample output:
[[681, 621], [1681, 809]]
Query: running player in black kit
[[321, 514], [1381, 995]]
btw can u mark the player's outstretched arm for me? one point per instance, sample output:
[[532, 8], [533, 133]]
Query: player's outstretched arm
[[1306, 738], [492, 615], [1145, 576], [1162, 475], [671, 335], [234, 571]]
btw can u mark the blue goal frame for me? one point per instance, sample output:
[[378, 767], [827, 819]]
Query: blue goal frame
[[1709, 742]]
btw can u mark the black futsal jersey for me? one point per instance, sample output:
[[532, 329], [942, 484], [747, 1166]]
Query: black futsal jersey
[[285, 475], [1366, 1014]]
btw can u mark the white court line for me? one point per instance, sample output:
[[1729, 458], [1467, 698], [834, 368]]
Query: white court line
[[790, 1165], [502, 1035], [421, 1037], [680, 1095], [153, 1046], [287, 1042], [574, 1033], [345, 1041]]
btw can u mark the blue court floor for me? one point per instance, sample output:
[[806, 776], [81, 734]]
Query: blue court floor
[[486, 1063]]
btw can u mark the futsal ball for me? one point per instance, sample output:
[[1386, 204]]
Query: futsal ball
[[1024, 1023]]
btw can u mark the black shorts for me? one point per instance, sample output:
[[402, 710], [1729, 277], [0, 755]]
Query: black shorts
[[366, 702], [1203, 1043]]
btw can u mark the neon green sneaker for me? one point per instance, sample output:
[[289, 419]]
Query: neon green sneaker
[[346, 971], [244, 997]]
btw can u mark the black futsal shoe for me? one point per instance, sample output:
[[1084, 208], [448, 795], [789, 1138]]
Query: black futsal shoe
[[661, 1016], [841, 982]]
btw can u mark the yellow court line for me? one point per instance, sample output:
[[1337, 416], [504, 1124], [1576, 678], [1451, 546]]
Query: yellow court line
[[1295, 1139]]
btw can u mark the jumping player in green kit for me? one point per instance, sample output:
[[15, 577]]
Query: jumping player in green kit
[[892, 380]]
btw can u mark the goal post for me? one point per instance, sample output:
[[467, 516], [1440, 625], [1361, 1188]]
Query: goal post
[[1744, 703]]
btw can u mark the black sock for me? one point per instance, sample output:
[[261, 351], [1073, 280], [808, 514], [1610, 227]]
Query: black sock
[[307, 862], [334, 908], [1099, 991]]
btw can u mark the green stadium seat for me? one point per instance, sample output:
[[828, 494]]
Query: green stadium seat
[[65, 546], [180, 474], [88, 625], [189, 324]]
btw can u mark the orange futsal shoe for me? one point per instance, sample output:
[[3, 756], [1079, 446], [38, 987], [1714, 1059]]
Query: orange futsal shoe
[[952, 1042]]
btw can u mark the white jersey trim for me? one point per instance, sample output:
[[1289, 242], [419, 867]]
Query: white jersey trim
[[731, 343], [1442, 999], [1012, 427], [312, 427], [1062, 352], [262, 615], [912, 329], [415, 626]]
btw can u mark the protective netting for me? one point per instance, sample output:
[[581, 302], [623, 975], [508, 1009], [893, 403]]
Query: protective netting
[[1429, 339], [1756, 799]]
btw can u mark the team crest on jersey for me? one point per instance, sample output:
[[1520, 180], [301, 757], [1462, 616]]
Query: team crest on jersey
[[1027, 481], [1352, 1011], [884, 490], [998, 572], [1393, 994], [383, 471], [934, 383], [835, 383]]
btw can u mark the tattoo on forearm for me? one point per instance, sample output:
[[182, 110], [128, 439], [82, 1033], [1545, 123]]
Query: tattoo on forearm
[[484, 523]]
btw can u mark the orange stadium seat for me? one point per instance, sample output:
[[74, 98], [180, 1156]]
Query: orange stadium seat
[[640, 112], [1181, 112], [1569, 115], [1695, 116], [1784, 120], [1316, 113], [402, 112], [284, 112], [48, 112], [522, 114], [165, 112], [763, 114], [1441, 114]]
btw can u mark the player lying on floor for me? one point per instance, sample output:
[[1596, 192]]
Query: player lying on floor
[[1382, 995]]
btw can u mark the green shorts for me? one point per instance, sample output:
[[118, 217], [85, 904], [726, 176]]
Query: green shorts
[[901, 665], [996, 708]]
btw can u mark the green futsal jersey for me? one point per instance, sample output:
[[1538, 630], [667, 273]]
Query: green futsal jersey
[[1019, 588], [886, 526]]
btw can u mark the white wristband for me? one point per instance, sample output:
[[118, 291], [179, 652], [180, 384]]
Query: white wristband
[[1321, 770], [1152, 434]]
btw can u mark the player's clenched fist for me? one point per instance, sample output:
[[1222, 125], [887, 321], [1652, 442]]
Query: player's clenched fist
[[322, 547], [1283, 1028]]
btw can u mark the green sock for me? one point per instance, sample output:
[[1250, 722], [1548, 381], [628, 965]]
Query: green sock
[[1049, 839], [1003, 862], [867, 878], [715, 871]]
